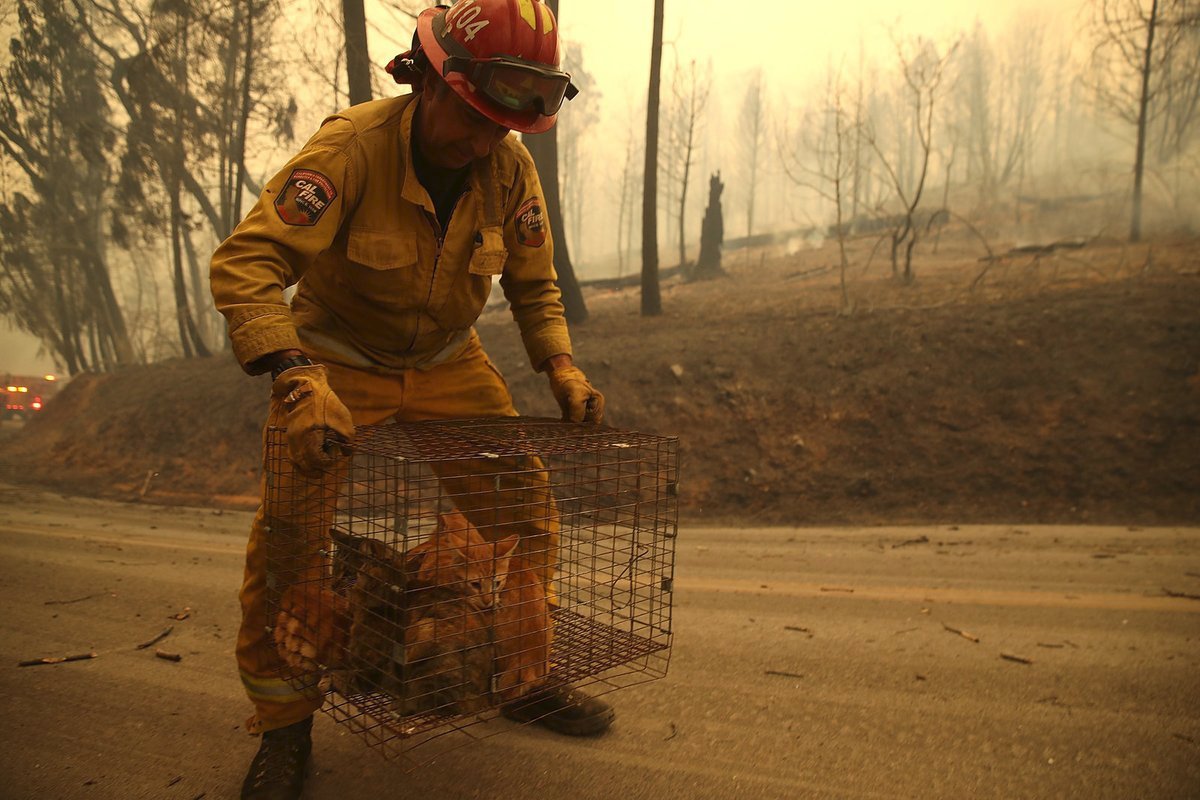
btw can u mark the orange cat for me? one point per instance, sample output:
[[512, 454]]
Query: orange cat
[[452, 626], [443, 642], [456, 558], [522, 633]]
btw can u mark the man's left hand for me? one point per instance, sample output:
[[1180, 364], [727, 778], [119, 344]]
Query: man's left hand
[[578, 399]]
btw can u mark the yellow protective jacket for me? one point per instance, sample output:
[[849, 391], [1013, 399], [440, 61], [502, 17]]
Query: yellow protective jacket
[[380, 285]]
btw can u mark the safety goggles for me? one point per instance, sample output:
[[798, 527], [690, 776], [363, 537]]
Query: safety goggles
[[515, 84]]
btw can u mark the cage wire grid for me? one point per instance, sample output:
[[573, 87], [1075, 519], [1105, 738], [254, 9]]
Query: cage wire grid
[[449, 567]]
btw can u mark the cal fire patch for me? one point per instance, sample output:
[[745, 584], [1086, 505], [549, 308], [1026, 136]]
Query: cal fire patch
[[305, 197], [531, 223]]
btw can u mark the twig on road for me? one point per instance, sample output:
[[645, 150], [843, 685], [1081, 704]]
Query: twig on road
[[837, 589], [76, 600], [157, 639], [969, 637], [165, 656], [796, 628], [782, 674], [182, 615], [907, 542], [34, 662], [1016, 658], [1054, 645], [150, 475], [674, 731], [1184, 595]]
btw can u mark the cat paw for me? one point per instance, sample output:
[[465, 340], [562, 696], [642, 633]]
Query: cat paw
[[310, 629]]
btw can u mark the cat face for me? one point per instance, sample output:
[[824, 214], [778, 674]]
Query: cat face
[[458, 559]]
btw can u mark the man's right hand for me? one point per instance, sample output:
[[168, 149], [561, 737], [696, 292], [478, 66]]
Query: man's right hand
[[319, 427]]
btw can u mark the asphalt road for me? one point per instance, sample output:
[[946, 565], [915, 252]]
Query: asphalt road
[[807, 663]]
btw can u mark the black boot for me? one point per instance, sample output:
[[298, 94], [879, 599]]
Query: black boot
[[563, 710], [277, 772]]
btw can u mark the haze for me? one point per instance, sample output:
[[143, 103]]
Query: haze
[[895, 344], [1045, 112]]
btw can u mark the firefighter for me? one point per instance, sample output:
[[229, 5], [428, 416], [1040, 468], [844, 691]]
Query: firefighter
[[392, 222]]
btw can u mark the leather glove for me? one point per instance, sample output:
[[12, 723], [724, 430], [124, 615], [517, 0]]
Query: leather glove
[[579, 401], [319, 427]]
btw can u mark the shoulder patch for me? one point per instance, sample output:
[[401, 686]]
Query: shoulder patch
[[304, 197], [531, 223]]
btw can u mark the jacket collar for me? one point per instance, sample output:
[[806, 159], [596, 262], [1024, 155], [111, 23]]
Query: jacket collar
[[412, 190], [482, 180]]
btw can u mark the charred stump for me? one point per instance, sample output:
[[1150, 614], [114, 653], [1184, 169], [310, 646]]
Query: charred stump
[[712, 234]]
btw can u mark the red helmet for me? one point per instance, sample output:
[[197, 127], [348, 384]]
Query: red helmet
[[501, 56]]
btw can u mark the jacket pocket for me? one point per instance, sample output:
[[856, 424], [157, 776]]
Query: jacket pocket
[[381, 249], [489, 257]]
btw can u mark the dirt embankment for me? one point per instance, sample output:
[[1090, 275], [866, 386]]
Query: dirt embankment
[[1063, 389]]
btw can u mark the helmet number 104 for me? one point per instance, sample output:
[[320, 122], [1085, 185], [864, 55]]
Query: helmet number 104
[[464, 16]]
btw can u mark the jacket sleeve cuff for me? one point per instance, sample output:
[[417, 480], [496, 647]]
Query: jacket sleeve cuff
[[262, 335], [547, 340]]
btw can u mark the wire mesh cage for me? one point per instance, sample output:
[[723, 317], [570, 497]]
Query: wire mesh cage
[[450, 567]]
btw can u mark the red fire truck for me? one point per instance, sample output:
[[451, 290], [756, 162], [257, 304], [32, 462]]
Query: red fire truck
[[26, 395]]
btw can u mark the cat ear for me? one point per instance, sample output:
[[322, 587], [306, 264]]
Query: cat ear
[[413, 561], [439, 564], [414, 554], [452, 521], [456, 525], [423, 568], [505, 546], [418, 556], [375, 549]]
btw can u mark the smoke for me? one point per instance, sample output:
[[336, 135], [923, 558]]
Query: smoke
[[813, 240]]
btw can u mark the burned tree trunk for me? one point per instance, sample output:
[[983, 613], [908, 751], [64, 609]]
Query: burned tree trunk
[[358, 63], [651, 296], [544, 149], [1139, 167], [712, 234]]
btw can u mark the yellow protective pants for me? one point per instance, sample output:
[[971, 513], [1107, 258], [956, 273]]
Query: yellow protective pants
[[469, 386]]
